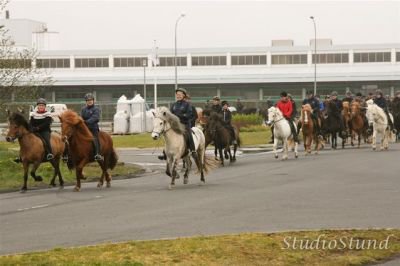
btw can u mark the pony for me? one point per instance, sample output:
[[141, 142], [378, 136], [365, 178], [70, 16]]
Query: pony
[[308, 129], [79, 143], [282, 131], [32, 149], [168, 125], [216, 132], [378, 119], [357, 125], [331, 124]]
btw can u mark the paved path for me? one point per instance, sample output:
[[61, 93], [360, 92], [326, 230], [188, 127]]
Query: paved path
[[354, 188]]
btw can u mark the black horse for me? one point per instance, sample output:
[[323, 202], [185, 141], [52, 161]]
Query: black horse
[[333, 124], [217, 133]]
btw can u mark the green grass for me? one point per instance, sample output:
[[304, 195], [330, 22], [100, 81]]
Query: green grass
[[11, 174], [242, 249]]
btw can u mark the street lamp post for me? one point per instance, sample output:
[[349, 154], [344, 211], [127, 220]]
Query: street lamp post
[[315, 55], [176, 49]]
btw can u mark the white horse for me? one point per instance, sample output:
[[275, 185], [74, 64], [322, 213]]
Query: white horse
[[282, 131], [378, 119], [168, 125]]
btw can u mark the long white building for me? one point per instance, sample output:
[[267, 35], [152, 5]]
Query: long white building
[[249, 73]]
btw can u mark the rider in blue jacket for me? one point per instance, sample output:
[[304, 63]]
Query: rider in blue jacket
[[91, 115]]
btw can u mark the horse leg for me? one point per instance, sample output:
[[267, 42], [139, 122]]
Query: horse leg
[[296, 154], [24, 187], [201, 155], [216, 152], [103, 171], [374, 139], [188, 163], [230, 154], [33, 172], [220, 155], [55, 164], [174, 173], [79, 176], [234, 152], [316, 144], [274, 147], [285, 149]]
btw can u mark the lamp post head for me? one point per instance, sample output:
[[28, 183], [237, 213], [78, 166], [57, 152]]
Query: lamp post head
[[311, 17], [183, 15]]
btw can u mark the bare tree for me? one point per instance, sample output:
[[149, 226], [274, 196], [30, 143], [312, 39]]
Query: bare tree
[[18, 75]]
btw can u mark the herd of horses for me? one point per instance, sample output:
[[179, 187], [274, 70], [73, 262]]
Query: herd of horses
[[76, 141]]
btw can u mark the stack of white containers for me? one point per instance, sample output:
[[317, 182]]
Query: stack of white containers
[[121, 118], [130, 116]]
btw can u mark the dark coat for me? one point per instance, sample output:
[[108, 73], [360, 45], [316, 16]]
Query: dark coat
[[314, 104], [227, 116], [183, 110], [195, 116], [216, 108], [40, 125], [381, 102], [338, 104], [91, 116]]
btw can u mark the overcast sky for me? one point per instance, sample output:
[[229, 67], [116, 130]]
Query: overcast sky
[[135, 24]]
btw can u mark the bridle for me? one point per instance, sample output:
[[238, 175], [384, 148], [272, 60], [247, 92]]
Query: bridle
[[163, 130]]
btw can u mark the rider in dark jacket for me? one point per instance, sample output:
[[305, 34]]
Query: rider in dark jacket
[[40, 122], [216, 105], [311, 100], [91, 115], [227, 118], [381, 102]]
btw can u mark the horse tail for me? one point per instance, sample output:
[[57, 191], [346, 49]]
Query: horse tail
[[113, 159], [209, 163]]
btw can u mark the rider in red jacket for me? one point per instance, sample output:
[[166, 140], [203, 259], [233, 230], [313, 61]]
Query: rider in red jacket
[[286, 107]]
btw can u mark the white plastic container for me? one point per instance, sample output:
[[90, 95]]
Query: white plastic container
[[123, 104], [121, 122]]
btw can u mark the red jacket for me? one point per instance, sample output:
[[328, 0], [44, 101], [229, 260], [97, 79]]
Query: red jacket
[[286, 108]]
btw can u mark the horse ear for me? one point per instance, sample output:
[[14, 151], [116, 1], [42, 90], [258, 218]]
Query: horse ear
[[165, 113]]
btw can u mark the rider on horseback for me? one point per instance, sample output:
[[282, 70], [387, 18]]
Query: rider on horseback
[[381, 102], [339, 105], [227, 118], [286, 107], [314, 103], [216, 105], [91, 115], [40, 124]]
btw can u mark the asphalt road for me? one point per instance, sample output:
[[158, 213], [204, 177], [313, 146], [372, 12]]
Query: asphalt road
[[354, 188]]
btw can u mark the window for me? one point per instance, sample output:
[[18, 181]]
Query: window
[[289, 59], [15, 63], [169, 61], [331, 58], [372, 57], [91, 62], [249, 60], [398, 56]]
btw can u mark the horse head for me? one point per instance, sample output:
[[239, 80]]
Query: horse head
[[274, 115], [159, 121], [17, 127], [354, 109], [306, 112]]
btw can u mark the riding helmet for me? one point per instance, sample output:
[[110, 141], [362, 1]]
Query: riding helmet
[[89, 96], [379, 92], [216, 98], [283, 94], [181, 90], [41, 101]]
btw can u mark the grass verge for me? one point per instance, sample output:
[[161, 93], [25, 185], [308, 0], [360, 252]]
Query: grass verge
[[242, 249], [11, 174]]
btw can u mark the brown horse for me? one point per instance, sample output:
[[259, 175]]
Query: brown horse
[[80, 148], [307, 127], [32, 149], [357, 124]]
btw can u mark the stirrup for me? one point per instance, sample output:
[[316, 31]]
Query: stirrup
[[98, 157], [65, 158], [162, 157], [50, 156], [17, 160]]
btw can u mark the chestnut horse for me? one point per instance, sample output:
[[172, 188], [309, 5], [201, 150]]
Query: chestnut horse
[[307, 127], [32, 149], [80, 148], [357, 124]]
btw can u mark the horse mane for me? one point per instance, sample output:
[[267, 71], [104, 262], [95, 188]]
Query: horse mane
[[275, 109], [172, 119], [72, 119], [346, 104], [19, 120]]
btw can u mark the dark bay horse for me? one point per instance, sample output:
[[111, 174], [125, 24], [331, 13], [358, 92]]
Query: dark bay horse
[[357, 125], [80, 148], [217, 133], [32, 149], [395, 106], [331, 124]]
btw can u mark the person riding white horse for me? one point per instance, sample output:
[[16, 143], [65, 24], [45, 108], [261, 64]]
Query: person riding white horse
[[283, 131], [380, 124], [178, 145]]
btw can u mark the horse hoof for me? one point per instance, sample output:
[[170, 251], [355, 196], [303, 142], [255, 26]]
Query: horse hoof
[[61, 187], [202, 183], [99, 185], [171, 186], [185, 180], [77, 189], [276, 156], [52, 185], [226, 157], [296, 156], [373, 149], [108, 185], [38, 178], [23, 190]]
